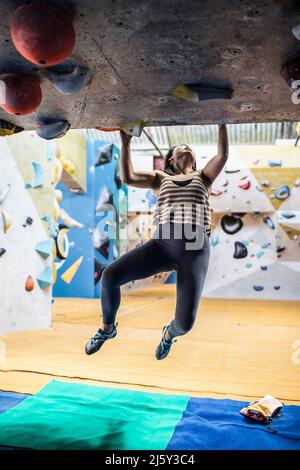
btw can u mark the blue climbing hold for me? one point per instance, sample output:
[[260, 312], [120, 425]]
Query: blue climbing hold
[[273, 163], [264, 268], [267, 220], [214, 240], [276, 287], [283, 192], [248, 265], [258, 288], [288, 215], [260, 254]]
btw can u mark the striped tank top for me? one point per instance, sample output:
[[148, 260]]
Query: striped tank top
[[186, 203]]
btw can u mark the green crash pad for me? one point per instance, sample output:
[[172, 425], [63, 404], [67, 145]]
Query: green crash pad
[[66, 415]]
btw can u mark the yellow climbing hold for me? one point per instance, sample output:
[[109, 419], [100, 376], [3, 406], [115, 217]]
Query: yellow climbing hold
[[185, 93], [5, 221], [68, 275]]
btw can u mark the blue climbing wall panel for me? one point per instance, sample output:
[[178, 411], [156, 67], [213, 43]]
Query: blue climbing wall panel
[[93, 210]]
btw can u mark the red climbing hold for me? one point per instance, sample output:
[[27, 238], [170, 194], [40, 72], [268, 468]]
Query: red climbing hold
[[108, 129], [245, 185], [43, 33], [29, 284], [19, 93]]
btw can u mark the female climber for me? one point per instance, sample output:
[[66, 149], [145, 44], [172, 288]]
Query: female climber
[[180, 241]]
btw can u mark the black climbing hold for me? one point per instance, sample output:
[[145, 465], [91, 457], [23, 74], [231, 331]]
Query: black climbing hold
[[231, 171], [104, 155], [2, 251], [291, 72], [276, 287], [258, 288], [103, 249], [29, 221], [264, 268], [231, 224], [240, 250], [117, 178], [280, 248]]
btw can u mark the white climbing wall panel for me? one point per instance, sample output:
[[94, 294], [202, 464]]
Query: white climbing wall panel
[[19, 309]]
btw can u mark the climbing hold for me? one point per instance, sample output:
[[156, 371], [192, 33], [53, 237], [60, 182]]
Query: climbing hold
[[240, 250], [231, 170], [296, 31], [104, 155], [265, 183], [117, 178], [69, 274], [29, 284], [283, 192], [21, 94], [266, 245], [28, 221], [45, 279], [133, 128], [52, 226], [245, 185], [291, 72], [276, 287], [280, 249], [259, 189], [98, 270], [259, 254], [53, 130], [267, 220], [58, 195], [199, 92], [225, 183], [2, 251], [108, 129], [288, 215], [58, 170], [264, 268], [216, 192], [231, 224], [38, 175], [5, 221], [105, 199], [103, 249], [62, 242], [68, 220], [4, 192], [256, 162], [68, 82], [297, 182], [258, 288], [45, 248], [273, 163], [7, 128], [248, 265], [42, 33]]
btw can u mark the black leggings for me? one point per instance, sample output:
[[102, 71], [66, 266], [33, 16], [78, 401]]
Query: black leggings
[[155, 256]]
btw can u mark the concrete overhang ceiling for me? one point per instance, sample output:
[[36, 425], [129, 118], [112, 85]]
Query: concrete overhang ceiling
[[138, 51]]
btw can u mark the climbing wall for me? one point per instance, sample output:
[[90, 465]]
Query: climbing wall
[[26, 195], [90, 217], [255, 246]]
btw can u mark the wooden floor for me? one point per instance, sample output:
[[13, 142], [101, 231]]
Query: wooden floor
[[240, 349]]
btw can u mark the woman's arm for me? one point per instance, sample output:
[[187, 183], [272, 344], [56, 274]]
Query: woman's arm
[[139, 179], [214, 167]]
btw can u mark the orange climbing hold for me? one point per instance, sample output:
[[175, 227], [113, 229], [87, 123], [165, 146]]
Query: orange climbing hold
[[20, 94], [29, 284], [43, 33]]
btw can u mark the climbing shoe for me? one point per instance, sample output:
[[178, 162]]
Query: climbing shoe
[[97, 341], [164, 346]]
